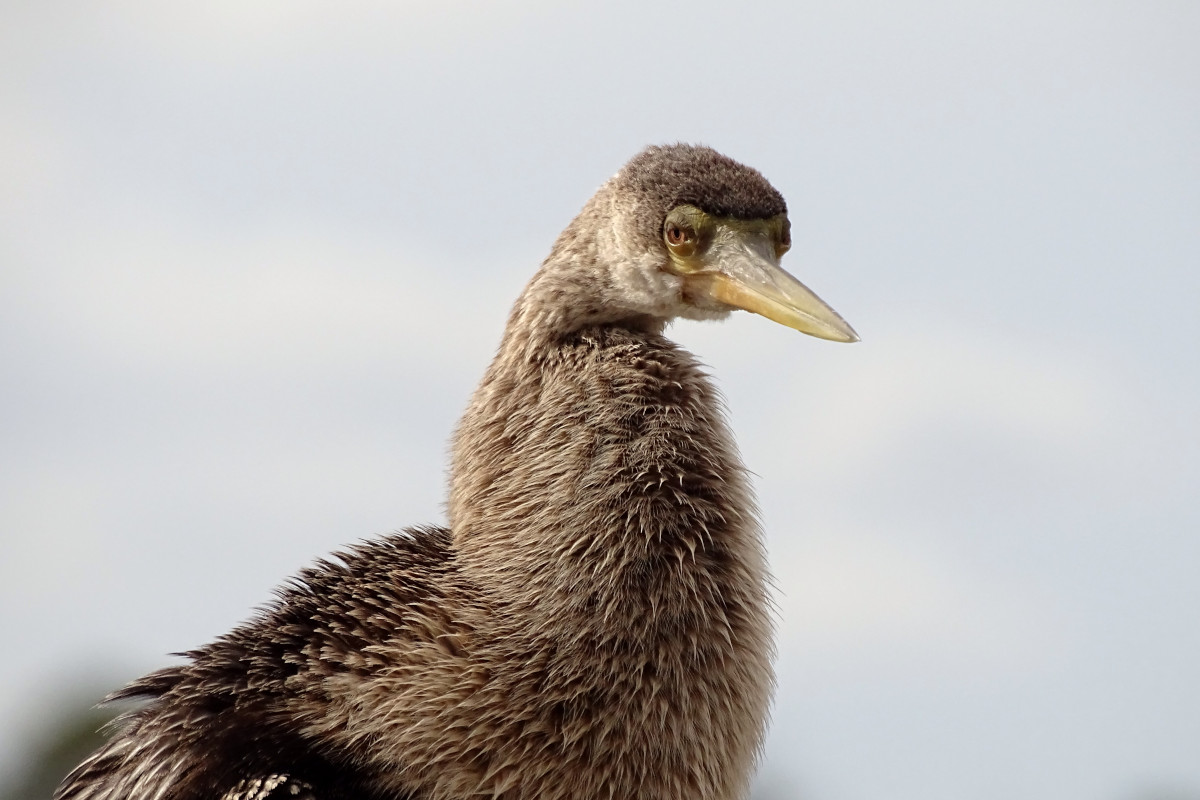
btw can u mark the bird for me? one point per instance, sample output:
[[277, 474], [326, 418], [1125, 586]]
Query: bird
[[593, 621]]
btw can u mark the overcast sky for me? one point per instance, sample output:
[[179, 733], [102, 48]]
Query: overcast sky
[[255, 255]]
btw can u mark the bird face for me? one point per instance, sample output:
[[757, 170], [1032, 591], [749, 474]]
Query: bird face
[[680, 232], [725, 262]]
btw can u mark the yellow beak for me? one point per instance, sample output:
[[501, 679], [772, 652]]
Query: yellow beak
[[740, 272]]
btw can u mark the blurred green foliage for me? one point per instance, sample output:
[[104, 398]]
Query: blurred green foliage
[[62, 742]]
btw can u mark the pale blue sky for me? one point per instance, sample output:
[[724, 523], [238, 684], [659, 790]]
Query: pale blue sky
[[254, 256]]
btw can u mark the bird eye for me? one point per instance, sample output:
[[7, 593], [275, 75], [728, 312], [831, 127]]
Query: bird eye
[[676, 235]]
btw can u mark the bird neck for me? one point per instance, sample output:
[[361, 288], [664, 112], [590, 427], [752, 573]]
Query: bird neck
[[598, 274], [537, 329], [593, 472]]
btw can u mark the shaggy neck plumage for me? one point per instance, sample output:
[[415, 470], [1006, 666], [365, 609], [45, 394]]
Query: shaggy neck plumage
[[594, 458], [578, 284], [601, 515], [594, 625]]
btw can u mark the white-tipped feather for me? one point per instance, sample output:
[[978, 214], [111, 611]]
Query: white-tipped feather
[[593, 624]]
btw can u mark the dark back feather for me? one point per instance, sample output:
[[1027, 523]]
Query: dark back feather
[[593, 624]]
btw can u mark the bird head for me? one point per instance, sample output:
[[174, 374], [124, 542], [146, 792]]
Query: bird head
[[681, 231]]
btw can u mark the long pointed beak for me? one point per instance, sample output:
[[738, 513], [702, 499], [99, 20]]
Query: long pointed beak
[[737, 274]]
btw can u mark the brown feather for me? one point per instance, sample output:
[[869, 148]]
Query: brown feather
[[594, 622]]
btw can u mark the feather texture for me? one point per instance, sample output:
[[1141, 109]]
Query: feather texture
[[592, 624]]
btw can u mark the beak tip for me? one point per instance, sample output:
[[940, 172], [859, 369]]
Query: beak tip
[[837, 331]]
